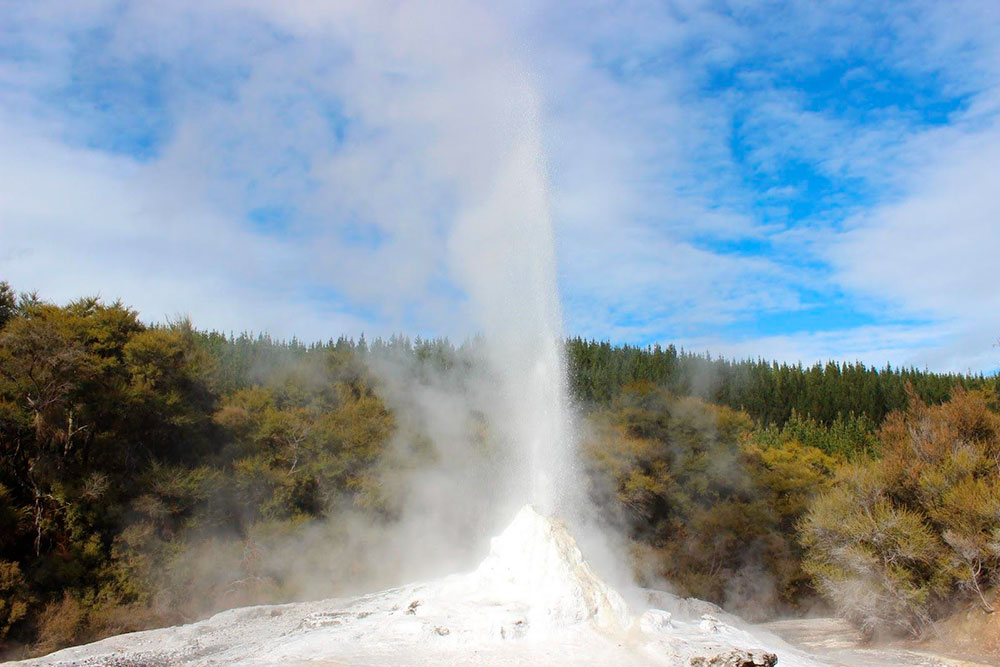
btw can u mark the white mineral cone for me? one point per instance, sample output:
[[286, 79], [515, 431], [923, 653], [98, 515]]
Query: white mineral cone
[[537, 561]]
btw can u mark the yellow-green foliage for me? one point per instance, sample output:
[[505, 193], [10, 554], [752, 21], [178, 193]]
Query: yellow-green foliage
[[897, 541], [61, 623], [299, 451], [711, 508], [304, 446], [14, 596], [120, 460]]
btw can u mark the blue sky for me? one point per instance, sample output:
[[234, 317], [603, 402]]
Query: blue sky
[[795, 180]]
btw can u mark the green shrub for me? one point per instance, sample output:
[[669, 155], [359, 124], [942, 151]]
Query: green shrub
[[897, 542]]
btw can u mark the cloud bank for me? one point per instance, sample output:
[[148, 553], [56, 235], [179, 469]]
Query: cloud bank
[[793, 180]]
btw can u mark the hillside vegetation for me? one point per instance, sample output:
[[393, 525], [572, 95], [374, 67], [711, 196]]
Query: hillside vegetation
[[155, 474]]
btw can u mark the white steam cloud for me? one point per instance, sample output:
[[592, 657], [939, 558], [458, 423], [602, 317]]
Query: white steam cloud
[[484, 148]]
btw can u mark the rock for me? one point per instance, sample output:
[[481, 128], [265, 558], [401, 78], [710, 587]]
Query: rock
[[709, 623], [514, 630], [322, 619], [736, 658], [655, 620]]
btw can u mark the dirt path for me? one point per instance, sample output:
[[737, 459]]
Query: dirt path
[[837, 641]]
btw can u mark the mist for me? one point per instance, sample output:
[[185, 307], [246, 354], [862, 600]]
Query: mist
[[476, 118], [454, 97]]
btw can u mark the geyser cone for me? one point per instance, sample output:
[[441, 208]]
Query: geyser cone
[[537, 561]]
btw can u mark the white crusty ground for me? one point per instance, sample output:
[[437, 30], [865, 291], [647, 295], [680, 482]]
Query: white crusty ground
[[533, 601]]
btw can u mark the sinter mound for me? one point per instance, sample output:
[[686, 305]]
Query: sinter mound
[[533, 600]]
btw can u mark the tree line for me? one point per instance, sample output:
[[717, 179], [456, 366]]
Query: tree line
[[770, 392]]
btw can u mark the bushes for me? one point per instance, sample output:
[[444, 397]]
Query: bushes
[[710, 505], [62, 623], [897, 542], [875, 562], [75, 619], [14, 596], [848, 436]]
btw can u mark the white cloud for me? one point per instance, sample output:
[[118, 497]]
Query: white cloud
[[378, 121], [933, 252], [898, 345], [929, 250], [76, 222]]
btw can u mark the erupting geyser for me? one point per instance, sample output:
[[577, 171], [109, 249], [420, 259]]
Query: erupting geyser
[[504, 258]]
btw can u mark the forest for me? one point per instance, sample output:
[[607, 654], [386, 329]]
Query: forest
[[150, 474]]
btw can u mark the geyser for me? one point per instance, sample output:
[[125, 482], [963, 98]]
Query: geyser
[[504, 242]]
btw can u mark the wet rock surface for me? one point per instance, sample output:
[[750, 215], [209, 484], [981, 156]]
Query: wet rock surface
[[736, 658]]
